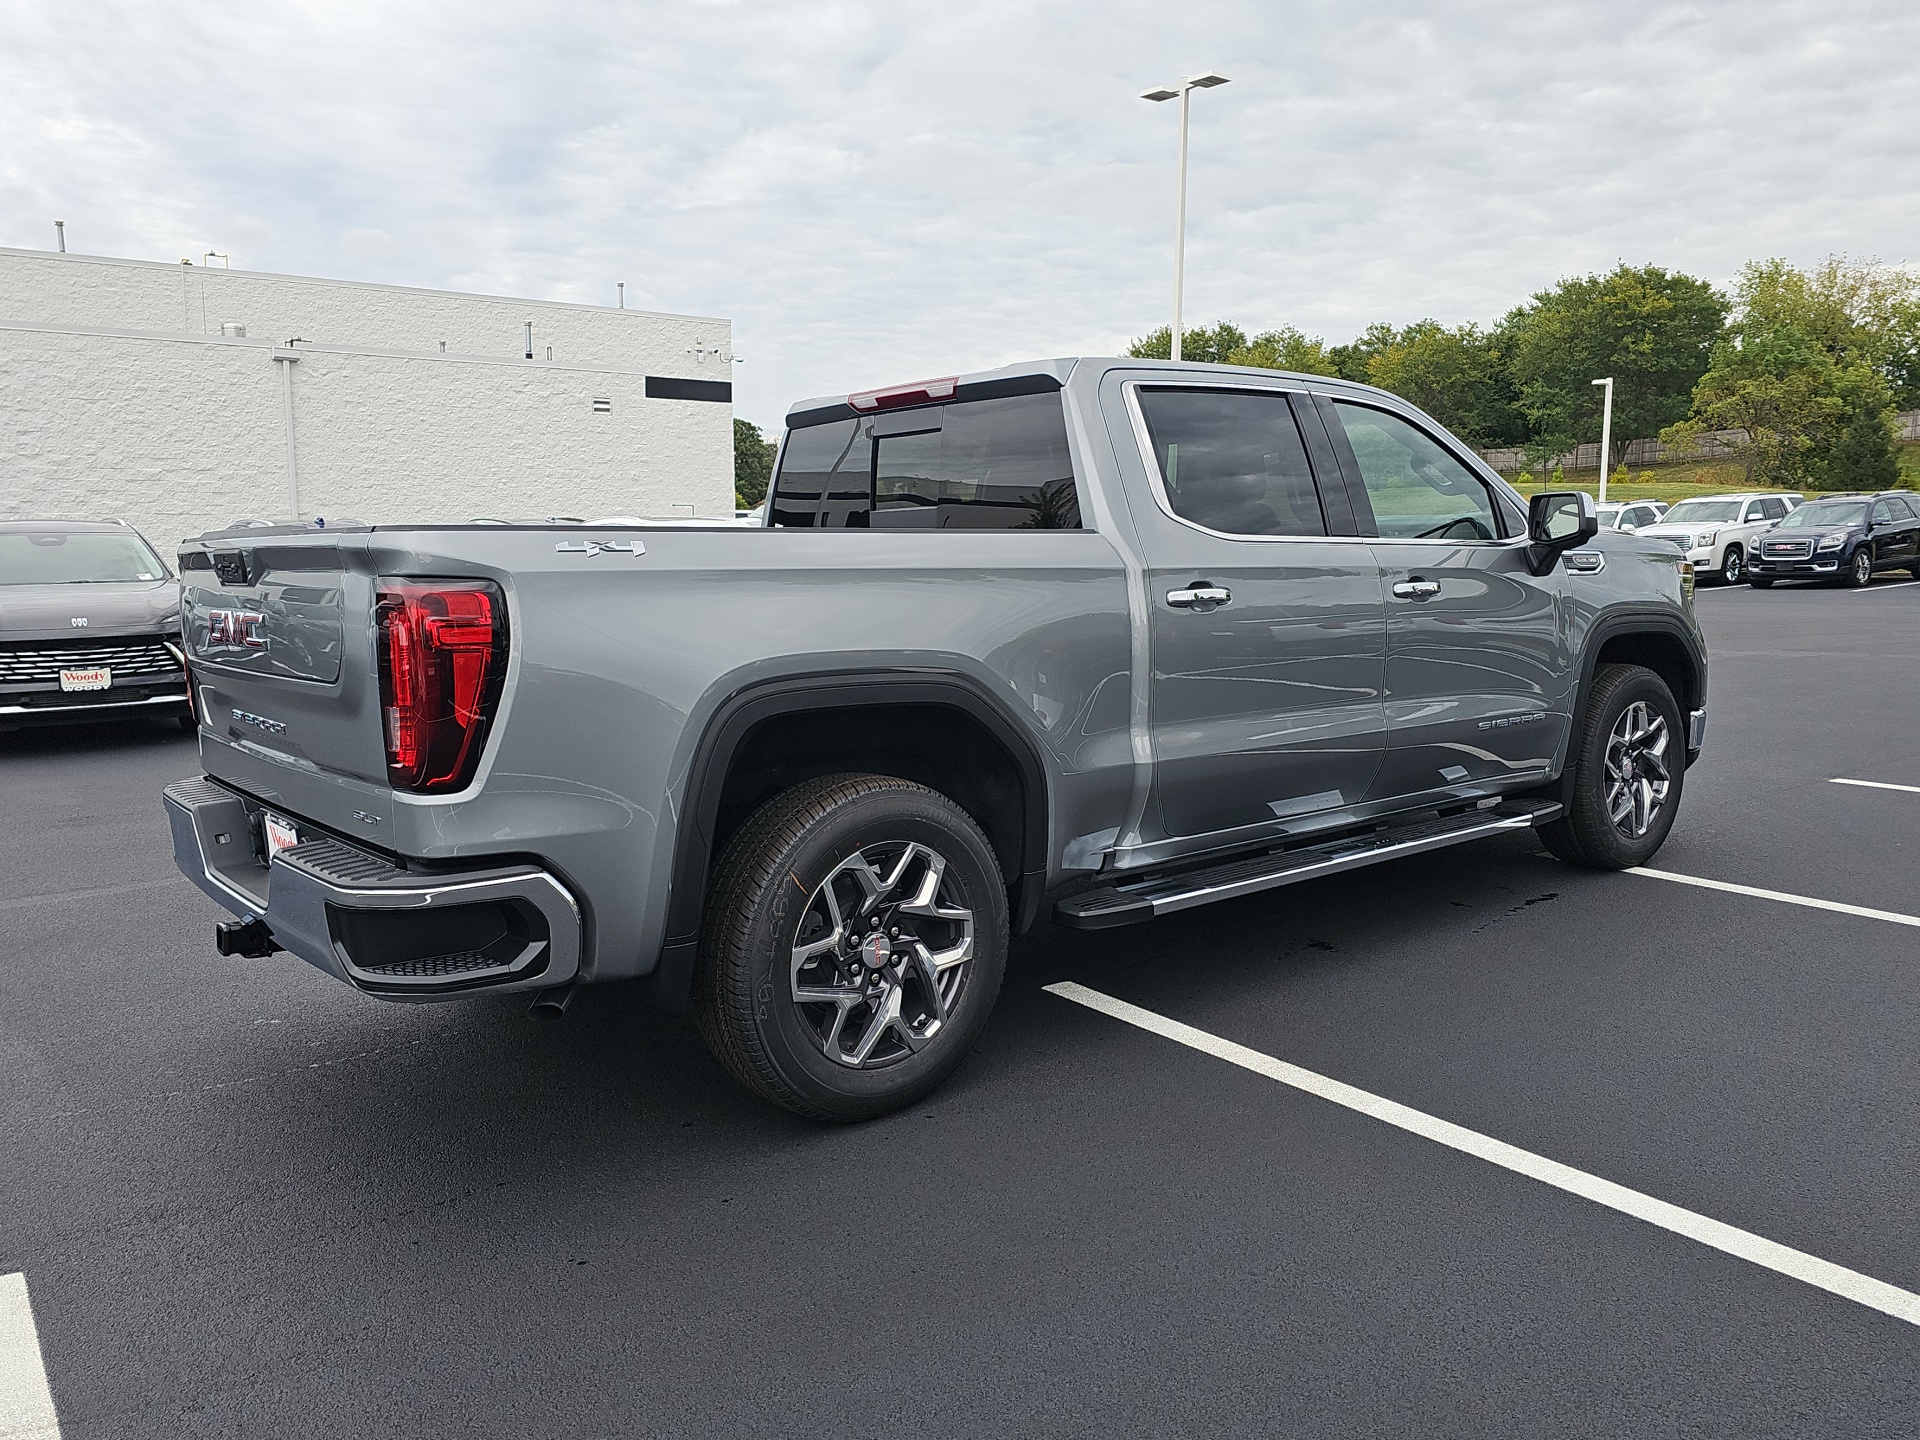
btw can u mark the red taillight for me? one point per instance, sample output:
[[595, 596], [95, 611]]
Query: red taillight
[[920, 392], [443, 656]]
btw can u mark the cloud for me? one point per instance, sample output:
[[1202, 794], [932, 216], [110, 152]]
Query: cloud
[[874, 192]]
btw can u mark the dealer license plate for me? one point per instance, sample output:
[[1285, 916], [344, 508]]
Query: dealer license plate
[[100, 677], [280, 835]]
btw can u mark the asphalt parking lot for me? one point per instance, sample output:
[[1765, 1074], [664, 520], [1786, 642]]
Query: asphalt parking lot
[[248, 1201]]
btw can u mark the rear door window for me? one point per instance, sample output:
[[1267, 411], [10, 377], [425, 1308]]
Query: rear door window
[[1418, 490], [994, 464], [1232, 461]]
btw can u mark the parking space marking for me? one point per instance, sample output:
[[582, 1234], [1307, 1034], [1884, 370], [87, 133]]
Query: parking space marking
[[1742, 1244], [1892, 917], [1877, 785], [26, 1404]]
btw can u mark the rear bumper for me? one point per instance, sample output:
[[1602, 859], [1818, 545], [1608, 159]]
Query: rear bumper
[[396, 933]]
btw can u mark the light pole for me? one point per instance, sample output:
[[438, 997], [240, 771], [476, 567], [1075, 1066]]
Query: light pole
[[1606, 435], [1182, 91]]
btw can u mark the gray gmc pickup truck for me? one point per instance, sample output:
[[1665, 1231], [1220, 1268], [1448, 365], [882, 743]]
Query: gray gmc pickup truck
[[1088, 641]]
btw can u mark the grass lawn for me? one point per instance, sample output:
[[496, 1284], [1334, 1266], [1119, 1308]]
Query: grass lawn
[[1685, 480]]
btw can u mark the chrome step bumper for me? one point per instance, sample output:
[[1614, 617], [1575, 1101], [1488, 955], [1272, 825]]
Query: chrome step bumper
[[1129, 903], [398, 933]]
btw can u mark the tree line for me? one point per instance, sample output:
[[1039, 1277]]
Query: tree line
[[1810, 364]]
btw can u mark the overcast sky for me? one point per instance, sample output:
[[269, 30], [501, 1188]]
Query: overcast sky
[[875, 192]]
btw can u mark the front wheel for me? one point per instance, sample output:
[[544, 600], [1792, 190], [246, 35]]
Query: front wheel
[[1733, 569], [1860, 573], [855, 939], [1628, 765]]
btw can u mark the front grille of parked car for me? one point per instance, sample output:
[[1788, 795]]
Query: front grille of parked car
[[1787, 549], [42, 661]]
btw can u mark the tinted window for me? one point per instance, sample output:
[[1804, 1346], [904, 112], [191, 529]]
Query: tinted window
[[1418, 490], [977, 465], [1232, 460], [1902, 509], [820, 459], [1773, 509], [992, 465], [1882, 513]]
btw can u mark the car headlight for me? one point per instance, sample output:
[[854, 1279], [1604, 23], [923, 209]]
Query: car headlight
[[1705, 538], [1832, 542]]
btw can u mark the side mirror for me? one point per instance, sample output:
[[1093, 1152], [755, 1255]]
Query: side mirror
[[1557, 521]]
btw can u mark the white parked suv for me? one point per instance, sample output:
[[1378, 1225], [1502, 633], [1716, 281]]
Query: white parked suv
[[1716, 532]]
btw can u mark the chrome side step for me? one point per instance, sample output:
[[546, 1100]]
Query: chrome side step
[[1130, 903]]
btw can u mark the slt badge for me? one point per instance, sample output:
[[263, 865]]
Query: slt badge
[[600, 547]]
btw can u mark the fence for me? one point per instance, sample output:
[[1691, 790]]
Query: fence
[[1713, 445]]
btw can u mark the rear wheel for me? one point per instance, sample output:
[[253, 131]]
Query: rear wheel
[[855, 939], [1733, 569], [1628, 764]]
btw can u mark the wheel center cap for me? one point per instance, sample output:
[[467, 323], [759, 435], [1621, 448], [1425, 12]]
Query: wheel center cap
[[876, 950]]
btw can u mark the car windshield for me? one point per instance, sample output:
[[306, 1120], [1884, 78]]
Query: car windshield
[[79, 557], [1827, 512], [1703, 512]]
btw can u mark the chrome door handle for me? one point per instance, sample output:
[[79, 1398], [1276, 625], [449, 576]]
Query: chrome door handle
[[1416, 589], [1199, 595]]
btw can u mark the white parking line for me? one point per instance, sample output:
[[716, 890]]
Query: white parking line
[[26, 1405], [1892, 917], [1877, 785], [1742, 1244]]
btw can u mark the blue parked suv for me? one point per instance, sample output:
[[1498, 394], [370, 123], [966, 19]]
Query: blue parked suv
[[1843, 539]]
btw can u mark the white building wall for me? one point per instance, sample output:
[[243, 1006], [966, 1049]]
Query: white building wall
[[179, 431]]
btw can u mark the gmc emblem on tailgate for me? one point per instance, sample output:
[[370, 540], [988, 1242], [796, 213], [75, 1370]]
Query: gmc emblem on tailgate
[[235, 627]]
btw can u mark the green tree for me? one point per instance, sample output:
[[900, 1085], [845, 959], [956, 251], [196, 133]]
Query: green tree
[[1202, 346], [1351, 361], [1457, 376], [1862, 456], [1652, 330], [752, 464], [1777, 387], [1858, 311], [1286, 349]]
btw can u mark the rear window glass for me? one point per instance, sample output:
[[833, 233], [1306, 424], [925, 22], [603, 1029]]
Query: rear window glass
[[41, 557], [997, 464]]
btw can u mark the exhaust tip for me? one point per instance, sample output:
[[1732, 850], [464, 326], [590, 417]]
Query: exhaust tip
[[552, 1004]]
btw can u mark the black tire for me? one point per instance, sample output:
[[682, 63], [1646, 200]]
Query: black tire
[[1733, 565], [1760, 582], [1588, 833], [1860, 569], [779, 878]]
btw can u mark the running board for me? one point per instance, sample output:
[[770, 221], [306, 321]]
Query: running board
[[1130, 903]]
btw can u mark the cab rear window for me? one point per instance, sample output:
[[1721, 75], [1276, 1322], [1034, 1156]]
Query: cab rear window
[[993, 464]]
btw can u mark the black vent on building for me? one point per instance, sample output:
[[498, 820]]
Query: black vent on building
[[662, 387], [602, 405]]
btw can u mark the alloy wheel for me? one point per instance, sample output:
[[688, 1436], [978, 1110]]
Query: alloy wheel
[[1638, 778], [882, 954], [1862, 567], [1734, 567]]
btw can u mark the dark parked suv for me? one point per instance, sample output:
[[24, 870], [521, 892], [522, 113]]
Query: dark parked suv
[[89, 625], [1840, 538]]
